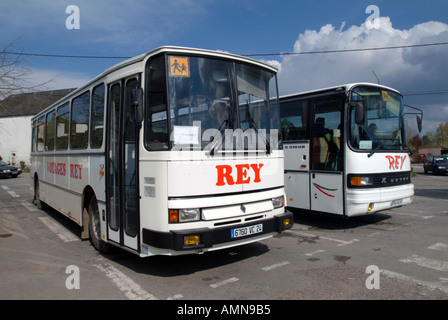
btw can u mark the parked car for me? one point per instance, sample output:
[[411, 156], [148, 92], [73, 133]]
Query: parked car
[[7, 171], [436, 164], [419, 157]]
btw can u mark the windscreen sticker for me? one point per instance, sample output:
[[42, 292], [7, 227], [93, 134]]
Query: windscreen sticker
[[385, 96], [179, 67]]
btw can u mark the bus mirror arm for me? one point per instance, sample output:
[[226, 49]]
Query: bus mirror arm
[[419, 116]]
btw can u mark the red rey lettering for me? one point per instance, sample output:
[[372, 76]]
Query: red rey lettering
[[76, 171], [257, 171], [224, 174], [396, 162]]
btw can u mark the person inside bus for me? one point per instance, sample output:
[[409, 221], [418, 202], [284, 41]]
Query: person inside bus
[[321, 143], [372, 133], [218, 114]]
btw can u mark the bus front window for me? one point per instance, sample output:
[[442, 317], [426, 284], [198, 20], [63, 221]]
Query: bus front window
[[200, 98], [383, 127], [216, 104]]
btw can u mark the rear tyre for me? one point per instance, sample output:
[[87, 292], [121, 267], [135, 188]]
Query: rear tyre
[[95, 228]]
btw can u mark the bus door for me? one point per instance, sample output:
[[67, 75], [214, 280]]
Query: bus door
[[297, 171], [122, 169], [326, 176]]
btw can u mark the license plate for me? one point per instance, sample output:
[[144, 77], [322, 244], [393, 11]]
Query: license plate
[[246, 231], [395, 202]]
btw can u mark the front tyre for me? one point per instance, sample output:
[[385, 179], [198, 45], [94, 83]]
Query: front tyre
[[95, 227]]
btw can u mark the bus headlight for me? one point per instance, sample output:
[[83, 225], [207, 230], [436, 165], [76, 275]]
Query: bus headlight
[[361, 181], [278, 202], [184, 215]]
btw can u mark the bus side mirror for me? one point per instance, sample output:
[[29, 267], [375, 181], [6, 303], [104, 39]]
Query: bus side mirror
[[359, 112], [136, 101], [419, 124], [419, 116]]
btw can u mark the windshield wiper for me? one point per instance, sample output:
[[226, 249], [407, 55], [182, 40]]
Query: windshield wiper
[[376, 149], [226, 123], [254, 125], [220, 130], [382, 143]]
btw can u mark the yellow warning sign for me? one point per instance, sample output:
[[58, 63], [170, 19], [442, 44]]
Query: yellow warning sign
[[179, 67], [385, 95]]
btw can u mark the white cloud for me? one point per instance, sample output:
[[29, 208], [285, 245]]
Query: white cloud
[[393, 67], [408, 70], [54, 79]]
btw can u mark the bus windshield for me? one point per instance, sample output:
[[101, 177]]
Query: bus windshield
[[219, 104], [383, 125]]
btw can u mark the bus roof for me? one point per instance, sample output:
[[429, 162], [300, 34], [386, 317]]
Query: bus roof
[[164, 49], [343, 86]]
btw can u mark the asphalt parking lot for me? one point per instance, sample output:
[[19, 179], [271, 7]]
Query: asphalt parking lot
[[397, 254]]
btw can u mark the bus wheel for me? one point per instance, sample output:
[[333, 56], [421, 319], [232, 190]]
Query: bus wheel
[[40, 205], [95, 227]]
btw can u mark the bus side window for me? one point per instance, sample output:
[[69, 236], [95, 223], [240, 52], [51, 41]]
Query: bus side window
[[40, 133], [294, 120], [50, 131], [62, 127], [156, 124], [97, 116], [327, 134], [34, 136], [80, 121]]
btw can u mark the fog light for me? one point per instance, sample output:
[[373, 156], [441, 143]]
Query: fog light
[[370, 207], [286, 222], [191, 240]]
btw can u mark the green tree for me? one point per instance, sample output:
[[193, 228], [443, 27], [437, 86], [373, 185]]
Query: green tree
[[441, 135], [415, 143], [429, 139]]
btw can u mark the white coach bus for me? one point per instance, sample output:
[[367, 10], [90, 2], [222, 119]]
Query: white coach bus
[[345, 150], [172, 152]]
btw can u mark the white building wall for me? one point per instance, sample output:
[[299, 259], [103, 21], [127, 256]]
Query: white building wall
[[15, 138]]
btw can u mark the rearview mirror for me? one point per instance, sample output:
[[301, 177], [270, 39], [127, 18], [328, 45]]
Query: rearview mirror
[[419, 116], [359, 112], [419, 124], [136, 103]]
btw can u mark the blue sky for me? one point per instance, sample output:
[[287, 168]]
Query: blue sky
[[128, 28]]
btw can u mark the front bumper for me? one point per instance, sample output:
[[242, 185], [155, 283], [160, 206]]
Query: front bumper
[[10, 173], [174, 240]]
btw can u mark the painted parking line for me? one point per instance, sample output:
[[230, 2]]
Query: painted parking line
[[223, 283], [64, 234], [439, 246], [429, 285], [276, 265], [427, 262], [11, 192], [129, 287], [29, 206], [310, 254]]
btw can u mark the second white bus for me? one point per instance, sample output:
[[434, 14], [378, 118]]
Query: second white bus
[[345, 150]]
